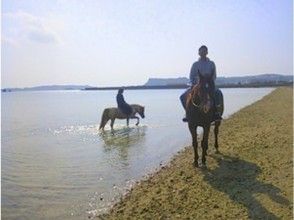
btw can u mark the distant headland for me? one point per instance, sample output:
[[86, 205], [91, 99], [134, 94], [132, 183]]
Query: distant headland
[[262, 80]]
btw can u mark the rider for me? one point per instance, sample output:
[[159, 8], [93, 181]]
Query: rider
[[205, 67], [121, 103]]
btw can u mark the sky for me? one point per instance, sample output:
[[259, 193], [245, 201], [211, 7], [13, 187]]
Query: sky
[[119, 43]]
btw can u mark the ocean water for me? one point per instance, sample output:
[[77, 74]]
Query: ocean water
[[57, 165]]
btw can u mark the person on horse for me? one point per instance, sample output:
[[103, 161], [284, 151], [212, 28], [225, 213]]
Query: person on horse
[[121, 103], [205, 67]]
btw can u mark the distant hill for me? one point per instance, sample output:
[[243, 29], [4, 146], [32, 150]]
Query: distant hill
[[180, 82], [166, 81], [237, 80], [263, 78], [45, 88]]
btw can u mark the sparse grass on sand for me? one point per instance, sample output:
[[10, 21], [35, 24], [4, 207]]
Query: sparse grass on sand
[[251, 179]]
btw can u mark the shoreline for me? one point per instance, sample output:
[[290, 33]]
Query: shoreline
[[221, 86], [143, 87], [242, 182]]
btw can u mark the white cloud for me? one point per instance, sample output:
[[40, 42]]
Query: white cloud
[[33, 28], [41, 36]]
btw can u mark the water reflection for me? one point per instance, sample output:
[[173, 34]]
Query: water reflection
[[122, 140]]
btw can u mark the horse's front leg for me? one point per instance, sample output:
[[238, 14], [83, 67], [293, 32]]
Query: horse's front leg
[[193, 131], [138, 120], [128, 121], [204, 144]]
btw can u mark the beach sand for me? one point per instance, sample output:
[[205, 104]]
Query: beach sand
[[250, 179]]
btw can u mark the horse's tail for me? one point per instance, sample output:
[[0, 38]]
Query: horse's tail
[[104, 118]]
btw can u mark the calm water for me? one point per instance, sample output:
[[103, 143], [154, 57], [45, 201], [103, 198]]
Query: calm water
[[55, 163]]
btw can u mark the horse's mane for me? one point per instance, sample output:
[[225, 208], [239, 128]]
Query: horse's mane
[[194, 91], [200, 89]]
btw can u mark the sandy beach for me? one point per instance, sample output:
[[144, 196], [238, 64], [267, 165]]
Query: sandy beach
[[250, 179]]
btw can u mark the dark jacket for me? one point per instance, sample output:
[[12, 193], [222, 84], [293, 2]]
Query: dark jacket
[[122, 105]]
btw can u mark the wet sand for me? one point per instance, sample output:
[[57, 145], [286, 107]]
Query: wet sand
[[250, 179]]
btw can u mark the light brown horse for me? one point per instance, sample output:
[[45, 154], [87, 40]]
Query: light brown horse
[[199, 110], [113, 113]]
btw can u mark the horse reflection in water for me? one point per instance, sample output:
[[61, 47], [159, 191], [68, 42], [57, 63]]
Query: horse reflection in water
[[121, 140]]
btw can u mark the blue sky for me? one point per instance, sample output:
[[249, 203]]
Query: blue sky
[[103, 43]]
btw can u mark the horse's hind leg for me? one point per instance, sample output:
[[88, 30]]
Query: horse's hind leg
[[216, 129], [103, 123], [193, 131], [204, 144], [128, 121]]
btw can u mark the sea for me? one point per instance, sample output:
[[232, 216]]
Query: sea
[[56, 164]]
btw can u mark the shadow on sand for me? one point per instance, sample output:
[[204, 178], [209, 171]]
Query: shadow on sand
[[238, 179]]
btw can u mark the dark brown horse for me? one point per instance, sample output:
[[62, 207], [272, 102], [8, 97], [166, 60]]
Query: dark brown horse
[[200, 110]]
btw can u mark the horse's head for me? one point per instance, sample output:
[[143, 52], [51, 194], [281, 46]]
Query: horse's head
[[202, 94], [140, 110]]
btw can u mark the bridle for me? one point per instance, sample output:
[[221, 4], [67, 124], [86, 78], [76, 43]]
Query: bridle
[[193, 103], [192, 98]]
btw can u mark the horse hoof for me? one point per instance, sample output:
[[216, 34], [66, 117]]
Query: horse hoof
[[137, 124], [217, 152], [204, 166]]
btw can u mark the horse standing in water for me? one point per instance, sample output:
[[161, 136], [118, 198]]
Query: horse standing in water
[[199, 110], [113, 113]]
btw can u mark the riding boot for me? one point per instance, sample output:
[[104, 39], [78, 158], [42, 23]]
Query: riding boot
[[185, 119]]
